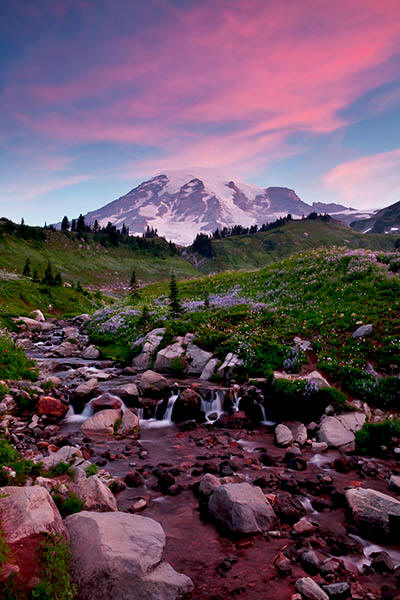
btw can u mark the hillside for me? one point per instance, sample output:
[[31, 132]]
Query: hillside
[[87, 260], [260, 249], [386, 220]]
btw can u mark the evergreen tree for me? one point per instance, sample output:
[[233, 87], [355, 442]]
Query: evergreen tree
[[81, 225], [144, 317], [207, 302], [79, 288], [65, 224], [58, 279], [27, 268], [175, 307], [73, 225], [35, 276], [48, 278], [134, 286]]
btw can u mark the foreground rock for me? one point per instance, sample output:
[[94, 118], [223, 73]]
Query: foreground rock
[[334, 433], [94, 493], [283, 436], [154, 385], [149, 344], [242, 508], [102, 423], [51, 407], [374, 513], [119, 556], [25, 511], [310, 590]]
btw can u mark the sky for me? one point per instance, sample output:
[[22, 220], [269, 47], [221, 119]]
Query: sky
[[98, 95]]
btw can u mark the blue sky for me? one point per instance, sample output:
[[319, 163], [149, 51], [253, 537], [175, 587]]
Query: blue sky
[[97, 96]]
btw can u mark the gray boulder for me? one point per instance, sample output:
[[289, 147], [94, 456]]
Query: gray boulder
[[38, 315], [93, 492], [242, 508], [353, 421], [129, 393], [168, 355], [283, 436], [335, 434], [209, 369], [310, 590], [26, 511], [231, 362], [102, 423], [373, 512], [120, 556], [66, 454], [362, 331], [299, 431], [91, 353], [197, 359], [86, 390], [65, 350], [149, 343], [154, 385]]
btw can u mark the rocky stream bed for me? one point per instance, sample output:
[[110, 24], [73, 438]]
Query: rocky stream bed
[[249, 511]]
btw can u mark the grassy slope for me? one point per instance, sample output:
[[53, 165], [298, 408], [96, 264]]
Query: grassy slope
[[90, 263], [260, 249]]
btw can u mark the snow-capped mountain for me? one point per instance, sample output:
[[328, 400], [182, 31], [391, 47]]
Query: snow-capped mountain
[[181, 204]]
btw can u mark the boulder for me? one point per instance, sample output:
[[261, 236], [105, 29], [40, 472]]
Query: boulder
[[51, 407], [209, 369], [187, 406], [120, 556], [66, 454], [106, 400], [65, 350], [31, 324], [149, 343], [335, 434], [299, 431], [168, 355], [86, 390], [242, 508], [362, 331], [94, 493], [208, 484], [394, 483], [314, 377], [374, 513], [310, 590], [91, 353], [129, 426], [26, 511], [71, 333], [197, 359], [353, 421], [283, 436], [154, 385], [129, 393], [231, 362], [37, 315], [102, 423]]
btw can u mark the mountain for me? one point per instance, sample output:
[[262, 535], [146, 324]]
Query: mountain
[[386, 220], [181, 204]]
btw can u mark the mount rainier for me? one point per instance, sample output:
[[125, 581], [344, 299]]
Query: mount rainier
[[181, 204]]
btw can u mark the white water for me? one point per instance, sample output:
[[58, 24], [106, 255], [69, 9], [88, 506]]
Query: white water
[[72, 417], [369, 549], [213, 406], [166, 421], [321, 461]]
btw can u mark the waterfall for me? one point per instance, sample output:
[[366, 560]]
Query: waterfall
[[214, 405], [72, 417], [166, 417]]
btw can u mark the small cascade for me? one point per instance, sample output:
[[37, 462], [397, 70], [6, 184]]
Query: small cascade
[[166, 419], [73, 417], [170, 407], [213, 407]]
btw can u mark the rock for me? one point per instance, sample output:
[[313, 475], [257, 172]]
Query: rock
[[65, 350], [283, 436], [288, 508], [394, 483], [154, 385], [208, 484], [118, 555], [197, 359], [149, 343], [303, 526], [51, 407], [304, 345], [66, 454], [129, 426], [310, 561], [362, 331], [310, 590], [242, 508], [187, 406], [314, 377], [337, 591], [382, 562], [25, 511], [71, 333], [106, 400], [335, 434], [102, 423], [231, 362], [209, 369], [91, 353], [86, 390], [319, 447], [31, 324], [129, 393], [38, 316], [299, 431], [353, 421], [94, 493], [167, 356], [373, 512]]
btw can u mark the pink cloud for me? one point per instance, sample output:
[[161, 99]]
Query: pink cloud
[[274, 67]]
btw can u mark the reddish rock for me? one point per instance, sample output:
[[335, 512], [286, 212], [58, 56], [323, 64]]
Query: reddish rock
[[106, 401], [51, 407]]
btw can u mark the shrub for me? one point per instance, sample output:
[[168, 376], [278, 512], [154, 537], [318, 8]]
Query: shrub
[[3, 391], [92, 470], [178, 365], [13, 362], [69, 505], [374, 435], [14, 469], [60, 468], [55, 561]]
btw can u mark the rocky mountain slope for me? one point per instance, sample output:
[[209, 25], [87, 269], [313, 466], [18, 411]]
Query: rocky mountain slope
[[386, 220], [180, 204]]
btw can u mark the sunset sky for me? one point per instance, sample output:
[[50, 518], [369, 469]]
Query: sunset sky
[[97, 95]]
